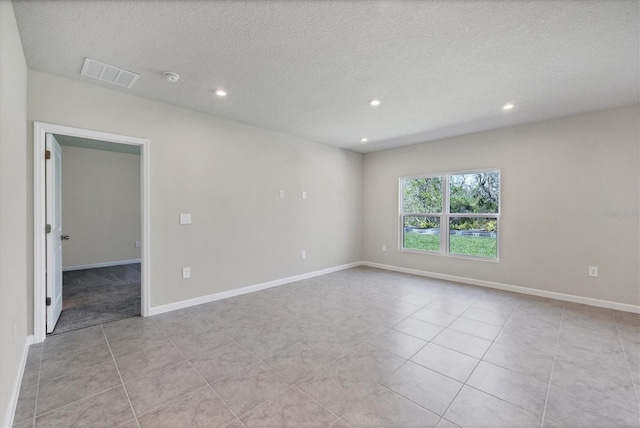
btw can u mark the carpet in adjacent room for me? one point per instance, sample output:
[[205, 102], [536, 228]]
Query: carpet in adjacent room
[[95, 296]]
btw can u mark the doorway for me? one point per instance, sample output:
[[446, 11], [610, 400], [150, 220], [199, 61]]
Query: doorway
[[101, 287], [100, 232]]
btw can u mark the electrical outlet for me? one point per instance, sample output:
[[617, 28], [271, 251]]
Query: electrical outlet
[[303, 255], [185, 218], [282, 193], [137, 244], [186, 272], [384, 247], [593, 271]]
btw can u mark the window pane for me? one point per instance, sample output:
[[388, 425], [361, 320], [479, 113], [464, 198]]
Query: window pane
[[422, 195], [476, 193], [473, 236], [421, 233]]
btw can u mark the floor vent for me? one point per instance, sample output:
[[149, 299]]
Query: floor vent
[[108, 73]]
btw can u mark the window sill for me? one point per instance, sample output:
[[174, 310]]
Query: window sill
[[453, 256]]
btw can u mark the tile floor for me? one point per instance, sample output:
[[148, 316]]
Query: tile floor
[[360, 348]]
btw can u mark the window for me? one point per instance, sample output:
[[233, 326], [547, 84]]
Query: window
[[455, 213], [422, 209]]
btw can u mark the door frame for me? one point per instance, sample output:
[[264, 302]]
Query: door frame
[[40, 129]]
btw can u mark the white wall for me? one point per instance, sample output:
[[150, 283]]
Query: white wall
[[228, 176], [100, 206], [559, 180], [13, 207]]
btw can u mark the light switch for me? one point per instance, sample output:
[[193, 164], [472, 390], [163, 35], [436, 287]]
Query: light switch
[[185, 218], [304, 195]]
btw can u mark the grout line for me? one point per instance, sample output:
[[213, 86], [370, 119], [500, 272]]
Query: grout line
[[624, 352], [79, 348], [262, 361], [442, 374], [79, 400], [153, 372], [120, 376], [322, 405], [173, 400], [126, 423], [270, 368], [35, 405], [202, 377], [418, 337], [151, 328], [99, 323], [411, 401], [482, 358], [501, 328], [148, 373], [555, 354], [267, 399], [83, 398]]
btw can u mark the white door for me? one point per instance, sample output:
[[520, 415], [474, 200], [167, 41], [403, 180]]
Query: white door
[[54, 237]]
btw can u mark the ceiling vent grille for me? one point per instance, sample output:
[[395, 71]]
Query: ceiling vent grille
[[108, 73]]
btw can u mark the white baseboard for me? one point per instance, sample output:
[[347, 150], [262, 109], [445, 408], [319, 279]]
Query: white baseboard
[[15, 392], [515, 288], [99, 265], [244, 290], [489, 284]]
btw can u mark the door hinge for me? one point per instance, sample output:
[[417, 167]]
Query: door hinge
[[47, 154], [48, 301], [47, 228]]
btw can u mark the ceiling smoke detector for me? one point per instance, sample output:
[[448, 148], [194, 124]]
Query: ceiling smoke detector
[[171, 77]]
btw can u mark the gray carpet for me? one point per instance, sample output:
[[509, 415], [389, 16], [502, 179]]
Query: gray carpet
[[95, 296]]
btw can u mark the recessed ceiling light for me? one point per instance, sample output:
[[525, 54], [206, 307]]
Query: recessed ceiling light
[[221, 92], [508, 106], [374, 103], [170, 76], [364, 139]]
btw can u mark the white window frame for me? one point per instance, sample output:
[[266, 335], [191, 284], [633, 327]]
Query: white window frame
[[445, 215]]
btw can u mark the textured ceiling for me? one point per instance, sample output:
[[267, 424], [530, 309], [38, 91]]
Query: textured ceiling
[[309, 68]]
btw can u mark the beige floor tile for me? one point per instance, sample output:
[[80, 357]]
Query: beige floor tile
[[332, 351], [200, 408]]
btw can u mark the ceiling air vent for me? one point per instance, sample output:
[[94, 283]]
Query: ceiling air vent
[[108, 73]]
